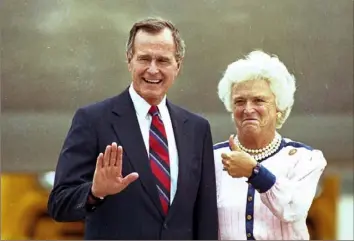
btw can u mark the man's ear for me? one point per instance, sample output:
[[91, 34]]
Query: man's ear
[[179, 64], [128, 59]]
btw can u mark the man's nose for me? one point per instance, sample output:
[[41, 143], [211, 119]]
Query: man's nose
[[153, 68]]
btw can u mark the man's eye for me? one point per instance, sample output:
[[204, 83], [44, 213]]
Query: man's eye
[[164, 60], [143, 59]]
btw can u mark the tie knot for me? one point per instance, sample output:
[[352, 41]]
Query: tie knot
[[154, 110]]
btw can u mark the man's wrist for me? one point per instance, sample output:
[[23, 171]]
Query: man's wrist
[[94, 196], [93, 201]]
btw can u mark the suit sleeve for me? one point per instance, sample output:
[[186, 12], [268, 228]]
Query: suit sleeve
[[206, 217], [74, 171]]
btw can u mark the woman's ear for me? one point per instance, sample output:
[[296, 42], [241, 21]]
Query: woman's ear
[[279, 114]]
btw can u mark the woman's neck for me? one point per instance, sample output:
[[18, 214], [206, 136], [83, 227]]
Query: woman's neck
[[256, 141]]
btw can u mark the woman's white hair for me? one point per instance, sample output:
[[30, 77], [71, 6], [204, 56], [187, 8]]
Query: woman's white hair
[[258, 65]]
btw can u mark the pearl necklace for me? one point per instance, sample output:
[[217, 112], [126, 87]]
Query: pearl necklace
[[259, 154]]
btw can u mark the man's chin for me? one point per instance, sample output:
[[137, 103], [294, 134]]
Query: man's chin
[[152, 96]]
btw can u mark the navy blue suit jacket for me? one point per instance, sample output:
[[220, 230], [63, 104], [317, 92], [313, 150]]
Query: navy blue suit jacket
[[136, 212]]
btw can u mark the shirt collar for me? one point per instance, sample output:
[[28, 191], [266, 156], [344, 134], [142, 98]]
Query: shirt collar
[[141, 106]]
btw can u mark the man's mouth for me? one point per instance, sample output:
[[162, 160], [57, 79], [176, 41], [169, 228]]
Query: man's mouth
[[152, 81]]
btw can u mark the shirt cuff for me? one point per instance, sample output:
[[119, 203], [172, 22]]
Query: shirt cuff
[[92, 202], [263, 180]]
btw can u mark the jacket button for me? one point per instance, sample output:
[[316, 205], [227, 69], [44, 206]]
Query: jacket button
[[165, 226]]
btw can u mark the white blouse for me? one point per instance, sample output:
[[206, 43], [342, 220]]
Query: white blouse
[[274, 205]]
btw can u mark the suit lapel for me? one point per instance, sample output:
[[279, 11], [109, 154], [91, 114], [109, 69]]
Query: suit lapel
[[181, 136], [126, 126]]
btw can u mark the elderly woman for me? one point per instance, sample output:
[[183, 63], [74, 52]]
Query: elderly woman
[[265, 182]]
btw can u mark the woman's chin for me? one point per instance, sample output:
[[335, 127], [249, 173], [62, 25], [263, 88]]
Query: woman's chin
[[250, 129]]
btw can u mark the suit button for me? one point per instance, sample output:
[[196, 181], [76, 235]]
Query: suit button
[[165, 226]]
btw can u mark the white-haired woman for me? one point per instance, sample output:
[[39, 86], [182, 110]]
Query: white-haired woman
[[265, 182]]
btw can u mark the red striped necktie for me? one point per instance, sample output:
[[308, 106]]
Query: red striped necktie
[[159, 158]]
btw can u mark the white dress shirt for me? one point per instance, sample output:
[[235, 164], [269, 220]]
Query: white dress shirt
[[144, 118], [274, 205]]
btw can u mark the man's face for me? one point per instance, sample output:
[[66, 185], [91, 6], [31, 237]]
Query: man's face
[[153, 65], [254, 107]]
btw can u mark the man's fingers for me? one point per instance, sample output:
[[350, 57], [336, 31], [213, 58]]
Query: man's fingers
[[119, 159], [130, 178], [107, 155], [114, 151], [99, 162]]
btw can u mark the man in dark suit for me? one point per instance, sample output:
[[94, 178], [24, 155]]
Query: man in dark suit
[[136, 166]]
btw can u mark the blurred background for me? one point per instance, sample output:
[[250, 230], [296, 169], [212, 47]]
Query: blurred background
[[59, 55]]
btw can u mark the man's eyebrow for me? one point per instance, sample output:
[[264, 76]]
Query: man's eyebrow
[[261, 97], [143, 55], [163, 57]]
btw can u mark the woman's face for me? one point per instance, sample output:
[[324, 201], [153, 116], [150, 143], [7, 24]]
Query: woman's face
[[254, 107]]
